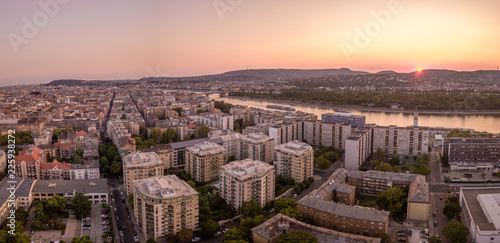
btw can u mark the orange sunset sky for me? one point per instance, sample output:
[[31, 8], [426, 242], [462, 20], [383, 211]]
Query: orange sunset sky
[[125, 39]]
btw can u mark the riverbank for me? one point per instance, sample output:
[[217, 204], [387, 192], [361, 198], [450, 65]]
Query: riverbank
[[371, 109]]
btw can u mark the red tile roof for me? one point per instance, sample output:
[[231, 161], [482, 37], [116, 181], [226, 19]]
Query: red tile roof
[[56, 164]]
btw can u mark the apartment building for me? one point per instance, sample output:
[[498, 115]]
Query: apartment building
[[65, 149], [244, 180], [140, 165], [294, 160], [256, 146], [345, 218], [55, 170], [215, 120], [321, 133], [403, 141], [204, 161], [166, 154], [164, 205], [358, 147], [87, 171], [285, 133], [44, 137], [28, 162], [335, 189], [472, 153], [373, 182], [23, 197], [269, 231], [344, 117]]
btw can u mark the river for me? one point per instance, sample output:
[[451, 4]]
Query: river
[[486, 123]]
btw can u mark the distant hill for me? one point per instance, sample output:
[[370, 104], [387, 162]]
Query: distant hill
[[264, 74], [488, 76], [78, 82]]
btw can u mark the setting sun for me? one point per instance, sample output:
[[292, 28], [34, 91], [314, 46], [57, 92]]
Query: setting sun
[[420, 69]]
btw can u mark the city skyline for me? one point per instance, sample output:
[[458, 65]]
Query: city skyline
[[50, 39]]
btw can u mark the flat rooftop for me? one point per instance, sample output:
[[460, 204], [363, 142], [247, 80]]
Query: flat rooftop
[[141, 159], [294, 147], [246, 168], [392, 176], [484, 218], [206, 148], [67, 186], [257, 137], [163, 187]]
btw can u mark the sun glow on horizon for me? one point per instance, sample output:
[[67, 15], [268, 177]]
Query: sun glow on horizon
[[420, 69]]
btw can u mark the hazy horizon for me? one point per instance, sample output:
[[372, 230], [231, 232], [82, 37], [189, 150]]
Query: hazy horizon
[[94, 40]]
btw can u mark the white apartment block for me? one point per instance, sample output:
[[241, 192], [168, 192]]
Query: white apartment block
[[44, 138], [140, 165], [256, 146], [401, 140], [204, 160], [228, 139], [215, 120], [480, 213], [164, 205], [358, 147], [326, 134], [286, 133], [244, 180], [87, 171], [294, 160]]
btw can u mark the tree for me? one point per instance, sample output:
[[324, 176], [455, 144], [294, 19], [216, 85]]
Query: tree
[[56, 204], [208, 228], [451, 210], [184, 235], [131, 199], [116, 168], [199, 111], [434, 239], [80, 151], [251, 209], [151, 240], [178, 110], [379, 154], [292, 212], [392, 200], [231, 158], [445, 160], [331, 156], [76, 159], [381, 166], [168, 136], [456, 231], [297, 236], [484, 177], [249, 223], [322, 162], [82, 205], [123, 117], [155, 134], [281, 204], [203, 131], [233, 234], [423, 169], [192, 184]]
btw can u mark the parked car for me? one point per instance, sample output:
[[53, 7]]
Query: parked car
[[104, 215], [434, 214], [131, 224], [435, 222], [105, 227], [440, 197], [136, 239], [196, 239], [121, 233], [218, 233], [224, 231], [134, 233], [410, 232], [105, 222]]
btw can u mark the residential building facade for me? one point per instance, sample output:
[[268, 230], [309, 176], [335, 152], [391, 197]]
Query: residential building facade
[[204, 161], [140, 165], [294, 160], [244, 180]]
